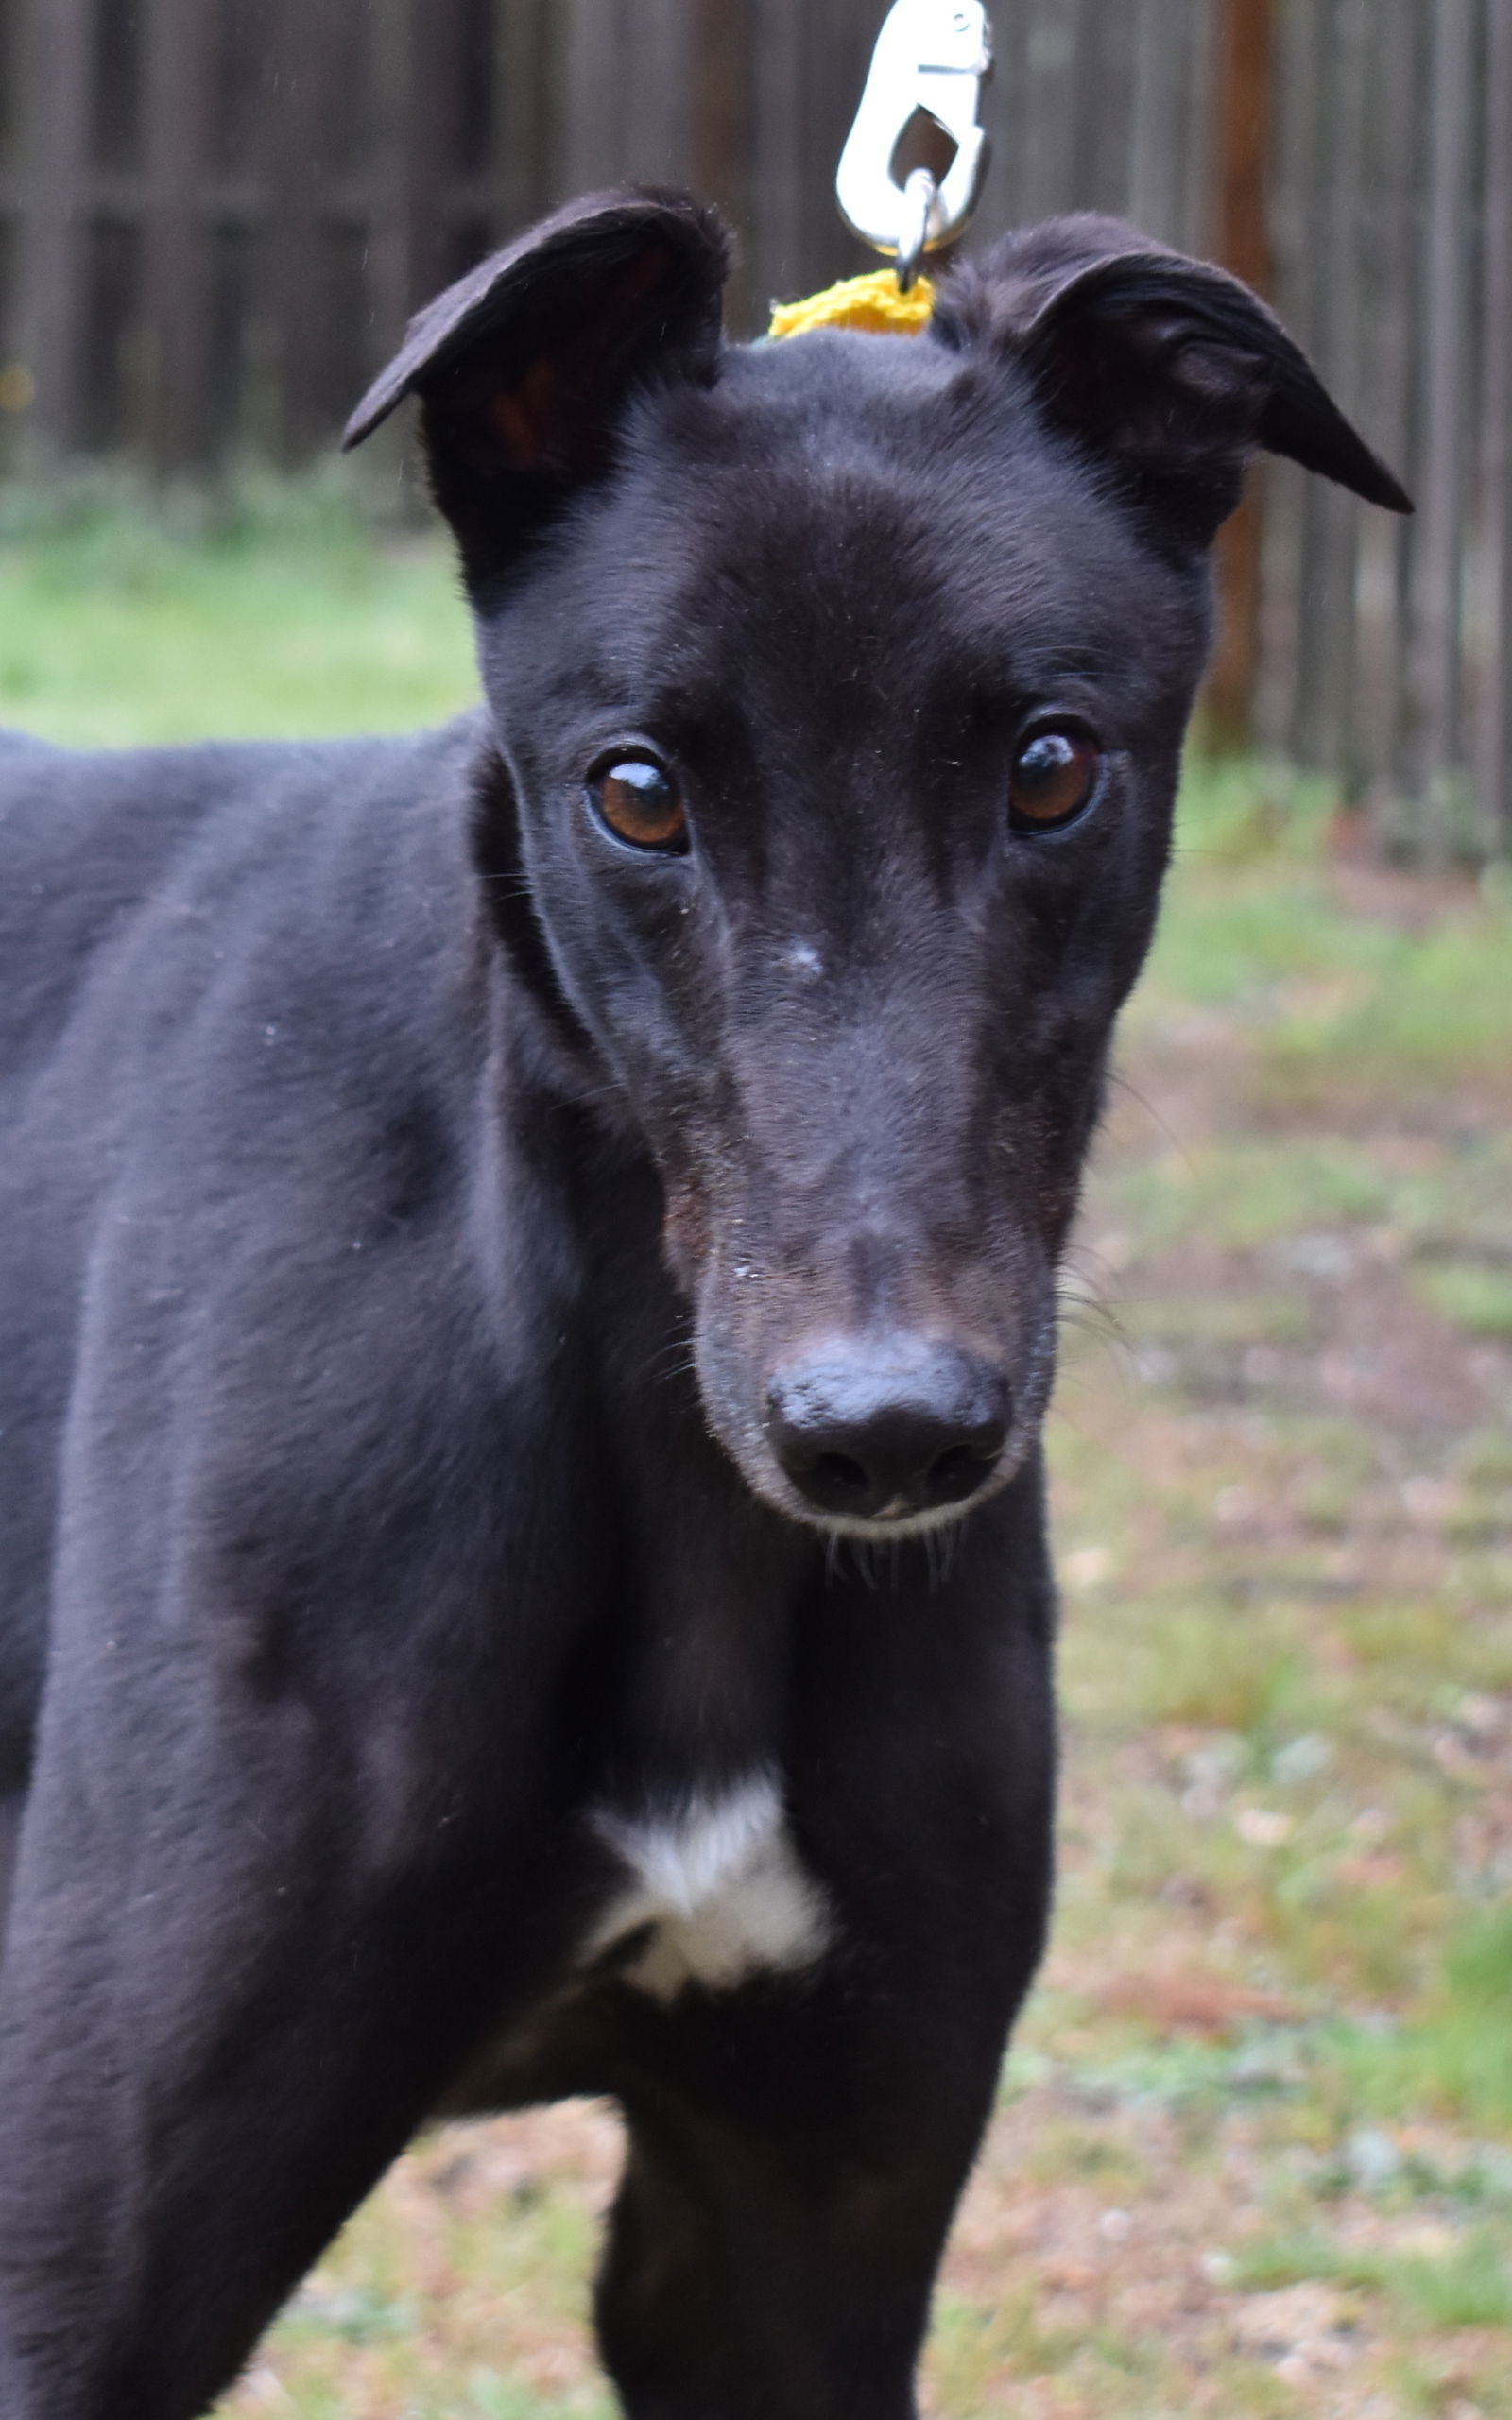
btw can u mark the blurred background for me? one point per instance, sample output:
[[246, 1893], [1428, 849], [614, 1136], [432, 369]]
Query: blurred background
[[217, 215], [1253, 2158]]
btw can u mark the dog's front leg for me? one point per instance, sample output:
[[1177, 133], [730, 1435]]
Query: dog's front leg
[[250, 1937], [776, 2262], [796, 2152], [799, 2141]]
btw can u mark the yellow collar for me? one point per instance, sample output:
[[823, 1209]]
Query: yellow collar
[[872, 304]]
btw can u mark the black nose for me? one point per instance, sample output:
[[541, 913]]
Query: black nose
[[892, 1426]]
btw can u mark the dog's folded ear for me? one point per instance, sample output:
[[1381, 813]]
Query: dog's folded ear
[[1167, 368], [523, 368]]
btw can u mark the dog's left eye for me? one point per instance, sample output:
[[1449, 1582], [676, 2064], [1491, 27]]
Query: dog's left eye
[[1055, 774], [639, 802]]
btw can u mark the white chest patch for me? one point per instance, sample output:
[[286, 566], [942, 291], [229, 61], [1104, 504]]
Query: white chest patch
[[720, 1882]]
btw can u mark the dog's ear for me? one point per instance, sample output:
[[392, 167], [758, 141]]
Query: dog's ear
[[523, 368], [1168, 369]]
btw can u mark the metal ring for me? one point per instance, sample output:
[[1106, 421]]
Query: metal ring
[[913, 235]]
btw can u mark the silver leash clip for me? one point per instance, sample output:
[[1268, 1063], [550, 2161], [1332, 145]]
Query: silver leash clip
[[914, 161]]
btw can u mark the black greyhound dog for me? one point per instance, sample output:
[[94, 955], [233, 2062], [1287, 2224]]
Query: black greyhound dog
[[527, 1294]]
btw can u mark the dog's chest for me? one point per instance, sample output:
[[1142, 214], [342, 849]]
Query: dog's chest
[[713, 1890]]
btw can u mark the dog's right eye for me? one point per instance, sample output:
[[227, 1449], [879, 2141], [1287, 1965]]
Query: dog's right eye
[[639, 802], [1055, 774]]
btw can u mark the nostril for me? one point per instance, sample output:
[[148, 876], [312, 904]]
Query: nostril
[[839, 1475], [959, 1471]]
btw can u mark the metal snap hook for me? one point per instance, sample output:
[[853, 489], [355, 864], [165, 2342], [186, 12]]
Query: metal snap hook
[[913, 233], [921, 94]]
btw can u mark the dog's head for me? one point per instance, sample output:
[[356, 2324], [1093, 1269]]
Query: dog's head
[[841, 684]]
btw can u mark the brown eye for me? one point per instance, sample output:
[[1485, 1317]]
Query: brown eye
[[1055, 773], [640, 803]]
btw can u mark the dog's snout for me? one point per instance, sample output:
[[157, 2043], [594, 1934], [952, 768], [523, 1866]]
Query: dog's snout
[[887, 1430]]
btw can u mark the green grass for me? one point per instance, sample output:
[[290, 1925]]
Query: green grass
[[1273, 2046], [1455, 2053], [1466, 2284], [1476, 1298], [278, 610], [1259, 935]]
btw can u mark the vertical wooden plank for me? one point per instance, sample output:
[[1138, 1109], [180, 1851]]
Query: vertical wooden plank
[[1494, 753], [1245, 65], [523, 113], [721, 156], [176, 285], [352, 351], [295, 91], [655, 103], [596, 67], [12, 13], [1387, 306], [1292, 179], [1050, 147], [1323, 715], [417, 63], [777, 144], [1097, 132], [1394, 334], [114, 141], [1434, 671], [1390, 266], [17, 385], [808, 70], [314, 286], [432, 131], [1004, 115], [1341, 362], [1162, 31], [392, 457], [1195, 148], [1311, 306], [839, 36], [52, 271], [474, 142], [1242, 244], [390, 277]]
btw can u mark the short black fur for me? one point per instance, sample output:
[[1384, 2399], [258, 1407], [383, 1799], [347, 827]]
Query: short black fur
[[509, 1337]]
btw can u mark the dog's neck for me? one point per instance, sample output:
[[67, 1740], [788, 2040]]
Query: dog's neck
[[561, 1053]]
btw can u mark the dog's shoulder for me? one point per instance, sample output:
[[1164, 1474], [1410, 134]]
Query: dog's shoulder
[[134, 872]]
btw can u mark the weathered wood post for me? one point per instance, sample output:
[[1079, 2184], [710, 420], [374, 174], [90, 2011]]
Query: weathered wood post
[[1242, 245], [1436, 754], [58, 69], [1494, 752], [176, 296]]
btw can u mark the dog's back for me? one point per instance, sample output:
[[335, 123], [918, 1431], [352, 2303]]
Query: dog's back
[[89, 841]]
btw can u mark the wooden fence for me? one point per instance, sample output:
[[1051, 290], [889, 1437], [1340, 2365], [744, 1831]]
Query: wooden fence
[[218, 214], [1385, 652], [215, 215]]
